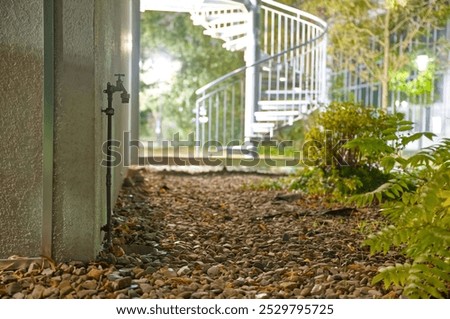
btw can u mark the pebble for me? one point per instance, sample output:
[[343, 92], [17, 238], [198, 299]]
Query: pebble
[[289, 285], [199, 295], [95, 273], [305, 292], [38, 291], [170, 273], [122, 283], [146, 288], [185, 295], [65, 288], [86, 293], [50, 292], [185, 270], [13, 288], [213, 271], [375, 293], [317, 289], [89, 284]]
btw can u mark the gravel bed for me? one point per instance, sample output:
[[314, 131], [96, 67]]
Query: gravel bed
[[212, 235]]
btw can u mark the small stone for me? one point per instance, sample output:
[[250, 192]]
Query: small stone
[[133, 293], [185, 270], [184, 295], [375, 293], [229, 292], [18, 295], [317, 289], [150, 270], [122, 283], [13, 288], [239, 282], [55, 281], [170, 273], [95, 273], [48, 292], [8, 279], [213, 271], [123, 260], [34, 268], [330, 293], [159, 282], [125, 271], [218, 284], [86, 293], [194, 286], [79, 271], [65, 288], [289, 285], [390, 295], [89, 284], [47, 272], [364, 281], [38, 291], [199, 295], [146, 288], [262, 296], [220, 258], [364, 290], [114, 276]]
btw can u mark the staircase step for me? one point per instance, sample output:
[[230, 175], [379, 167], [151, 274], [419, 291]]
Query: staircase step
[[223, 2], [227, 32], [267, 116], [284, 102], [236, 44], [263, 128], [225, 18]]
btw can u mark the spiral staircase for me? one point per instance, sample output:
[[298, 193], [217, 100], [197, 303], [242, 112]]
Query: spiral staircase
[[284, 77]]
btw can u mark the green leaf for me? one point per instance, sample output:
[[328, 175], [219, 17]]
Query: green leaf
[[388, 162]]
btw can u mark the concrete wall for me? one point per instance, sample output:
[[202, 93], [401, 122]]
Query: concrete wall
[[21, 96], [92, 42]]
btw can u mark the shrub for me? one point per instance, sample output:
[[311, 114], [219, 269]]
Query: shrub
[[420, 223], [352, 149]]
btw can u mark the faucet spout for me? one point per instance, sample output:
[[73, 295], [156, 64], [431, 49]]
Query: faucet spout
[[110, 89], [119, 87]]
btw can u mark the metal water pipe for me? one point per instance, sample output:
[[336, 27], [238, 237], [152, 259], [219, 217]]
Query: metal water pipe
[[109, 111]]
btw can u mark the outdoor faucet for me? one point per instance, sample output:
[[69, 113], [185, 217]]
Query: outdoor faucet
[[110, 89], [109, 111]]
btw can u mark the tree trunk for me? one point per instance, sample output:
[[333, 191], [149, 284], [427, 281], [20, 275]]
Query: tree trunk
[[385, 76]]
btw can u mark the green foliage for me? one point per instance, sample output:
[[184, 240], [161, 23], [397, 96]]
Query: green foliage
[[338, 183], [413, 86], [352, 149], [349, 134], [418, 207], [202, 60], [372, 38], [267, 184]]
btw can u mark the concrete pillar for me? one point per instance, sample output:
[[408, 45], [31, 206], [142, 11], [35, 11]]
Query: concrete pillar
[[21, 126], [252, 54], [135, 70], [52, 186]]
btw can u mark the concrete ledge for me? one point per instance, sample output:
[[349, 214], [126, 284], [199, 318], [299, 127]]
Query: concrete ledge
[[23, 262]]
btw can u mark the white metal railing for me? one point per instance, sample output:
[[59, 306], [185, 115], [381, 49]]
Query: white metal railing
[[292, 78]]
